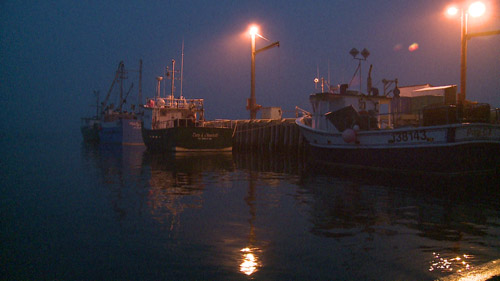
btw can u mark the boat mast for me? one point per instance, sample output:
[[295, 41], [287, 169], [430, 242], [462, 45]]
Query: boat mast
[[96, 93], [158, 91], [317, 75], [166, 73], [121, 87], [329, 75], [182, 65], [104, 104], [173, 77], [140, 82]]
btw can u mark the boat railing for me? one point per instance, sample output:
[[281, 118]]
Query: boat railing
[[182, 103], [179, 103]]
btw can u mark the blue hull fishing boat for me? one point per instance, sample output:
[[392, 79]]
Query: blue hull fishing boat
[[114, 125], [125, 129]]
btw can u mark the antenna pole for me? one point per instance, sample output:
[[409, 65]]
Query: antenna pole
[[360, 80], [182, 64], [173, 77], [317, 75], [329, 73], [97, 104], [165, 72], [140, 82], [121, 86]]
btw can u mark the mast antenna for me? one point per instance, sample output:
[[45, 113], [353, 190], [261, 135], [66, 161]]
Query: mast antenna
[[173, 77], [140, 82], [317, 76], [328, 72], [182, 65]]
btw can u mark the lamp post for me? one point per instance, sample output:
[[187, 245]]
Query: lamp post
[[365, 53], [475, 9], [252, 105], [463, 55]]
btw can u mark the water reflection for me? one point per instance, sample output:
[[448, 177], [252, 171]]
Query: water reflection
[[119, 169], [453, 264], [447, 219], [453, 219], [250, 262], [178, 181], [250, 213], [443, 209], [292, 163]]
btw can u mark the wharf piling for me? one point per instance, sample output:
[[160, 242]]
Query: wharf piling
[[267, 135]]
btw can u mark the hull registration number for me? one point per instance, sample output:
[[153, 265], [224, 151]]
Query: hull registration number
[[408, 136]]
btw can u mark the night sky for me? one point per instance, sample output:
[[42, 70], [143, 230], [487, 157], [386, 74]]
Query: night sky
[[54, 54]]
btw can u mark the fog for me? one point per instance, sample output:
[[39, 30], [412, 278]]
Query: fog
[[54, 54]]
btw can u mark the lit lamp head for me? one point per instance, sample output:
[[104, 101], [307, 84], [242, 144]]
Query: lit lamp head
[[253, 30], [477, 9], [452, 11]]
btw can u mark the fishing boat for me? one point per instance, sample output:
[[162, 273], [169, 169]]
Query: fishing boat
[[178, 124], [425, 130], [90, 129], [90, 125], [114, 124]]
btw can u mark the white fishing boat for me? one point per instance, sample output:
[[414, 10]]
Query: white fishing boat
[[178, 124], [421, 132]]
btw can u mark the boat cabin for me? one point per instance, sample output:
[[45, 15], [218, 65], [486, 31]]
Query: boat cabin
[[170, 112], [335, 112]]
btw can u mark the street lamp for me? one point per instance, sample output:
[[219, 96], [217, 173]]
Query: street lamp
[[476, 9], [252, 105]]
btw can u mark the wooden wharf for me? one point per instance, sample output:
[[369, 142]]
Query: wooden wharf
[[274, 135]]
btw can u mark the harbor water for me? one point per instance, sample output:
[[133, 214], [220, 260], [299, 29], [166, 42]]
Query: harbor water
[[70, 211]]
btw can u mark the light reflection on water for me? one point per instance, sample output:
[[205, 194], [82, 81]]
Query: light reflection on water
[[250, 261], [452, 264], [237, 216]]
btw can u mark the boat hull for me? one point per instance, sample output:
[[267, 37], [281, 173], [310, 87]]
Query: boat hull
[[188, 139], [121, 131], [456, 148], [462, 158], [90, 130], [90, 134]]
